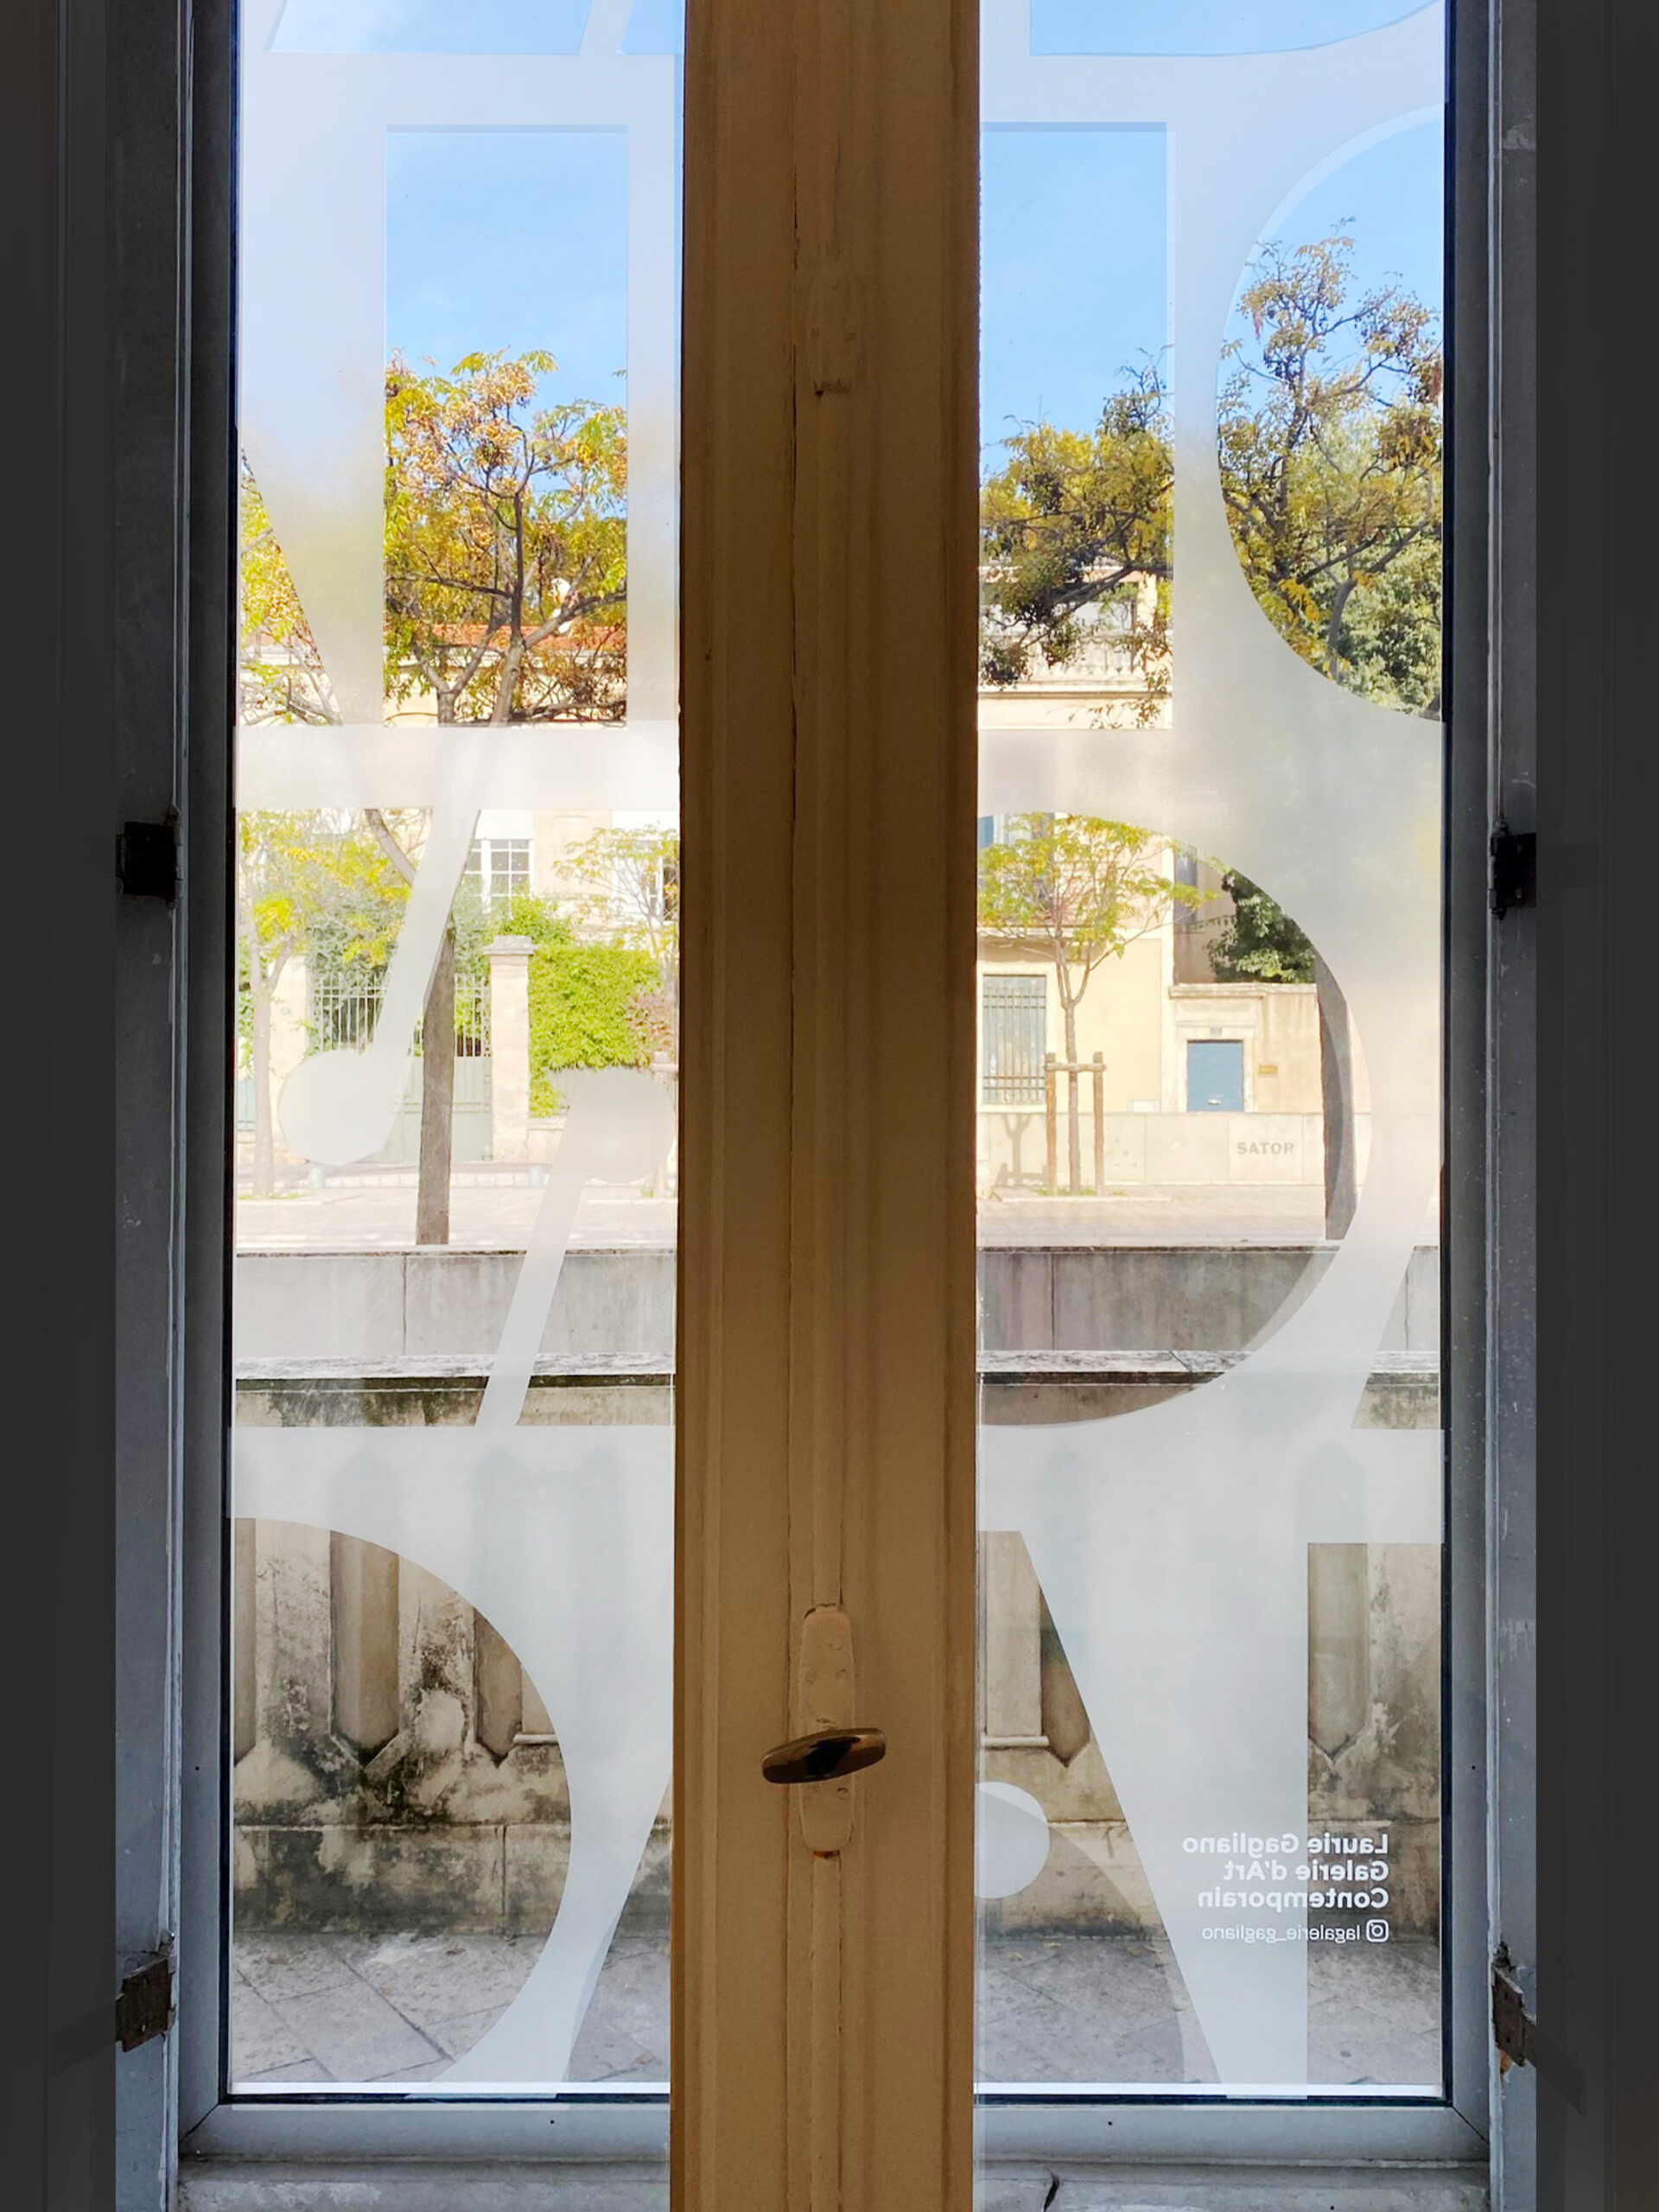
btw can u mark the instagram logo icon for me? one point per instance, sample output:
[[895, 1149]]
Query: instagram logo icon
[[1376, 1931]]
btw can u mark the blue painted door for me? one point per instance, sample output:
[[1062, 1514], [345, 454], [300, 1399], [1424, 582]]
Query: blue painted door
[[1215, 1075]]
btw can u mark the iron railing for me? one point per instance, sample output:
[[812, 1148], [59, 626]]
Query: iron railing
[[1015, 1040], [345, 1007]]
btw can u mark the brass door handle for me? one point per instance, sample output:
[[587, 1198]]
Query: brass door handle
[[825, 1755]]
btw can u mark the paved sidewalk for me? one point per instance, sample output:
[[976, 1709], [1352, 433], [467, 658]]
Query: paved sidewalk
[[495, 1210], [329, 2009]]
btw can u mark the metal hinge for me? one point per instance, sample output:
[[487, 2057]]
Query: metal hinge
[[1514, 2029], [146, 858], [144, 2008], [1514, 874]]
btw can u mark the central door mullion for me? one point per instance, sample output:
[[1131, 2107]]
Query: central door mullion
[[824, 2009]]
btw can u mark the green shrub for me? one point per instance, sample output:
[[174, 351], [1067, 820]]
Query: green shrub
[[580, 1010], [526, 915]]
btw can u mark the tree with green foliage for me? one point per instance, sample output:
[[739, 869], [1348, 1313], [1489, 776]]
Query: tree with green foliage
[[505, 546], [583, 996], [506, 562], [280, 676], [631, 886], [1070, 521], [630, 891], [1260, 940], [303, 880], [527, 914], [1330, 448], [1079, 891], [1331, 451], [582, 1010], [506, 568]]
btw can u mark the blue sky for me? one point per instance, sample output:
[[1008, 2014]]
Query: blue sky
[[1073, 281], [1203, 26], [465, 27], [514, 239], [1057, 25], [430, 27], [511, 241], [1072, 270], [1390, 198]]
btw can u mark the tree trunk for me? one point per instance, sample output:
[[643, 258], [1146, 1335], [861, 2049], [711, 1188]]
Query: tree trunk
[[265, 1150], [1073, 1120], [437, 1098], [1337, 1097]]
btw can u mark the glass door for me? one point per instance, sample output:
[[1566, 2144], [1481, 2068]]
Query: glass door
[[730, 796], [1214, 1850], [456, 1038]]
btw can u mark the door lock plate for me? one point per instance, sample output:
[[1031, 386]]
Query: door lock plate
[[831, 1746]]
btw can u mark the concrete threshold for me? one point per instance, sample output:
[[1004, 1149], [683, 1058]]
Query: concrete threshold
[[435, 2185], [212, 2185], [1147, 2186]]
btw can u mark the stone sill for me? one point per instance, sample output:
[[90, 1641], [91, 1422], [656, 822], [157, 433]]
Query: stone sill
[[421, 1370], [588, 1368], [500, 2185]]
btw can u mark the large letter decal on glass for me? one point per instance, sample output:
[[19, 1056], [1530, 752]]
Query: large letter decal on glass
[[457, 764], [1171, 1542]]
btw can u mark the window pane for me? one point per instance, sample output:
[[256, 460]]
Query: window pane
[[456, 1041], [1211, 1464], [1016, 1039]]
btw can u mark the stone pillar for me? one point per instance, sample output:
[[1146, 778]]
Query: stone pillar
[[290, 1013], [1339, 1655], [498, 1690], [538, 1721], [363, 1587], [245, 1688], [509, 959], [1013, 1644], [292, 1634]]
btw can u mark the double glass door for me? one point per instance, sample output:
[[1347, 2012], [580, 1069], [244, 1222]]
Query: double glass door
[[839, 911]]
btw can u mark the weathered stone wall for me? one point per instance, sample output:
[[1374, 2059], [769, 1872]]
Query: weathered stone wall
[[1374, 1674], [402, 1780], [1373, 1723], [397, 1770], [619, 1304]]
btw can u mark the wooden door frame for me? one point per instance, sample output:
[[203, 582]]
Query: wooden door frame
[[169, 703], [826, 1411]]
